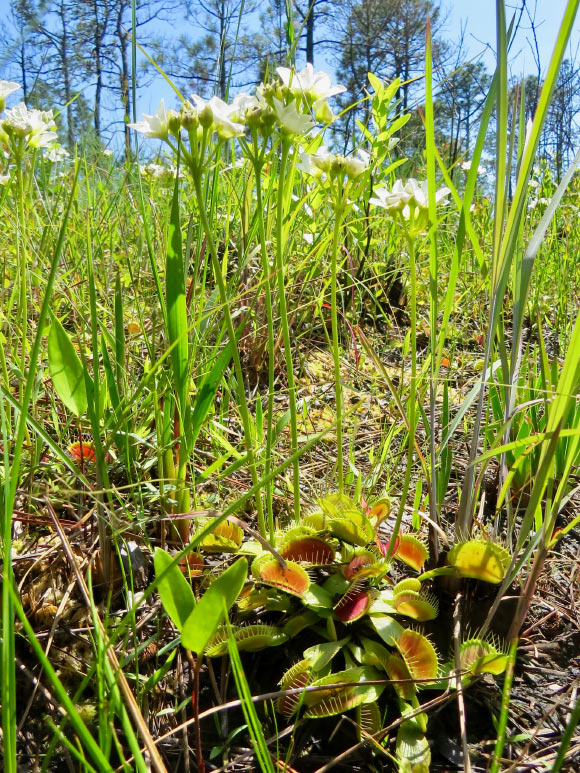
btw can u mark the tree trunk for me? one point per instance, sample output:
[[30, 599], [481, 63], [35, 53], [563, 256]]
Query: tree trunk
[[65, 66], [310, 34], [222, 84], [99, 29], [124, 78]]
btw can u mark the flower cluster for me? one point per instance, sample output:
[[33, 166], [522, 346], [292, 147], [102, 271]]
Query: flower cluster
[[326, 164], [313, 88], [160, 172], [22, 128], [292, 105], [466, 167], [36, 127], [409, 202]]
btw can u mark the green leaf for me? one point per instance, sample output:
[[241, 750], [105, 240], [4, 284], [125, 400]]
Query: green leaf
[[208, 391], [211, 609], [176, 593], [322, 654], [66, 370], [387, 628], [375, 82]]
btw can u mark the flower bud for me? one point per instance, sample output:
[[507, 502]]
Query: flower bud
[[173, 122], [323, 112], [206, 117], [267, 122], [253, 118], [337, 167], [189, 117]]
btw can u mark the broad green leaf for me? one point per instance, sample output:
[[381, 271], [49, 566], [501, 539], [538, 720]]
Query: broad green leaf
[[66, 370], [176, 593], [211, 609], [317, 598], [208, 390]]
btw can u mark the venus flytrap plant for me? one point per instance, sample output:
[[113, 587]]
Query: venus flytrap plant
[[329, 570]]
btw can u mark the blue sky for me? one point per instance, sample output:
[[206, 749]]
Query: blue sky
[[477, 19], [478, 16]]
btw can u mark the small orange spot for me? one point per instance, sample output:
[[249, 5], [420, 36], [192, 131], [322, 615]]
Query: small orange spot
[[192, 564], [82, 451], [85, 452]]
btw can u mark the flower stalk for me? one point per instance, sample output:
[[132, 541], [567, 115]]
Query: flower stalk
[[280, 274]]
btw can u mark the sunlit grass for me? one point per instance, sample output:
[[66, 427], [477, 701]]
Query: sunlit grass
[[231, 342]]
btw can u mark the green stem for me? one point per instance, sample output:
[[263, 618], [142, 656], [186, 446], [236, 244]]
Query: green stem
[[411, 404], [23, 272], [284, 323], [243, 403], [271, 351], [334, 318], [505, 705]]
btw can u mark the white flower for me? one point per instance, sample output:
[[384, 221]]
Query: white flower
[[323, 159], [466, 166], [391, 200], [241, 104], [533, 203], [355, 166], [222, 116], [324, 162], [56, 154], [290, 120], [19, 120], [37, 126], [107, 152], [534, 184], [6, 88], [4, 179], [410, 199], [307, 165], [156, 126], [419, 193], [314, 86], [159, 171]]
